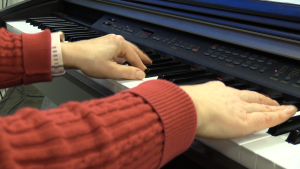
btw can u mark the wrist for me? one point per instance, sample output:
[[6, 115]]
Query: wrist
[[189, 90]]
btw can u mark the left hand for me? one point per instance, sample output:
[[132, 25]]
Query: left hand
[[99, 57]]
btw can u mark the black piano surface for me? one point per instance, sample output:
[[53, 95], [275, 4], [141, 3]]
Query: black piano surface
[[254, 57]]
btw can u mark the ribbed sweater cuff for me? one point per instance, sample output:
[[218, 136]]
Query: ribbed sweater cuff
[[37, 57], [177, 113]]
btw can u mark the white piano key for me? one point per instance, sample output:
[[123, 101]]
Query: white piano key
[[292, 162], [268, 159], [22, 26], [233, 146], [248, 152]]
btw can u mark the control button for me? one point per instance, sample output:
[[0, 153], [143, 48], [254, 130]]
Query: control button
[[176, 44], [276, 74], [120, 27], [164, 41], [251, 58], [112, 19], [227, 51], [169, 43], [243, 56], [195, 50], [154, 38], [221, 49], [245, 65], [131, 31], [221, 58], [235, 53], [287, 78], [253, 67], [188, 48], [158, 39], [214, 47], [236, 62], [260, 60], [269, 63], [206, 53], [228, 60], [115, 26], [298, 81], [214, 55], [262, 70], [107, 23], [182, 46]]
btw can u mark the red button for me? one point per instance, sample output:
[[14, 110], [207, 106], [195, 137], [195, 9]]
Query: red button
[[195, 50]]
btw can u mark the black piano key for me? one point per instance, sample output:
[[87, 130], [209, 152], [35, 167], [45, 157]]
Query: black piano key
[[254, 89], [78, 38], [289, 125], [68, 35], [294, 136], [148, 52], [164, 70], [278, 98], [228, 81], [161, 60], [40, 18], [240, 86], [199, 79], [40, 25], [37, 22], [53, 26], [155, 56], [163, 64], [69, 30], [189, 73], [297, 104]]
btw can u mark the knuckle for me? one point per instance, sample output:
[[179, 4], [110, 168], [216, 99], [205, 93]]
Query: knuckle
[[119, 37], [127, 73], [261, 98], [267, 117]]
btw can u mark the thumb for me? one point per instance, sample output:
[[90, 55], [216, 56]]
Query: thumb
[[127, 72]]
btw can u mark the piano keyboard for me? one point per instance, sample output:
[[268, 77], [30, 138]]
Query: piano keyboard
[[258, 150]]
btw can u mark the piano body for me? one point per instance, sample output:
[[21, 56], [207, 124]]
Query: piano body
[[191, 44]]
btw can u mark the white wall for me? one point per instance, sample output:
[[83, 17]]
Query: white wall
[[10, 2]]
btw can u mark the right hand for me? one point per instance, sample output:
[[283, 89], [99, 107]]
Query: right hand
[[224, 112]]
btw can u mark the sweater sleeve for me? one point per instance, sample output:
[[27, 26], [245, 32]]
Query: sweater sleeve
[[25, 58], [143, 127]]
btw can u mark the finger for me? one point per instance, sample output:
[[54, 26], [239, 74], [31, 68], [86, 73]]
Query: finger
[[260, 120], [125, 72], [131, 56], [254, 97], [256, 107], [145, 59]]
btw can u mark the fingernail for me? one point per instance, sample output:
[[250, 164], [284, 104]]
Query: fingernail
[[289, 109], [140, 75]]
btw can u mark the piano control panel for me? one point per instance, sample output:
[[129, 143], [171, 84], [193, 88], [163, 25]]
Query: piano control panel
[[264, 69]]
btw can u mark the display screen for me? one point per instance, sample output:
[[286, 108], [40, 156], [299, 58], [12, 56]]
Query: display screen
[[144, 33]]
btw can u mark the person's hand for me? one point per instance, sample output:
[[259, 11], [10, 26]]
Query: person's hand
[[102, 57], [224, 112]]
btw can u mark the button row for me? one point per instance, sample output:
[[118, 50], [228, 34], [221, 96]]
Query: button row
[[234, 62]]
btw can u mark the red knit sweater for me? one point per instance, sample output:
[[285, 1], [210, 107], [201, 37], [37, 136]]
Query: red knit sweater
[[144, 127]]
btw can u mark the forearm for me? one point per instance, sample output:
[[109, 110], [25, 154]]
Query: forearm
[[24, 58], [129, 129]]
